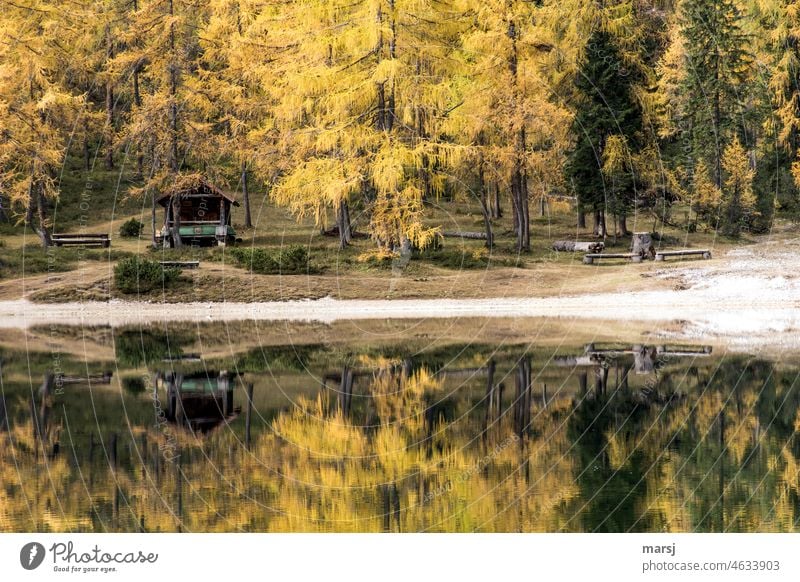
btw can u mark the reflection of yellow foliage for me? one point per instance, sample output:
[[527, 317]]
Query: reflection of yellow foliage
[[317, 469]]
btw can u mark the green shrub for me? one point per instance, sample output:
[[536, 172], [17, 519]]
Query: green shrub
[[144, 347], [138, 275], [287, 261], [131, 229]]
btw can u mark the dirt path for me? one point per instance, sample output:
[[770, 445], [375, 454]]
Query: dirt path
[[749, 297]]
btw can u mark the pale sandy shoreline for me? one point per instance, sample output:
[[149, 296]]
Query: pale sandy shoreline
[[750, 298], [734, 320]]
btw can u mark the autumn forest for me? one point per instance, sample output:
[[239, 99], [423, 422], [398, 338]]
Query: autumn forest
[[610, 111]]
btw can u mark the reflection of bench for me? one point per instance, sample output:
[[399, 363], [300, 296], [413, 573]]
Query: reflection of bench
[[662, 255], [104, 378], [82, 240], [590, 258], [180, 264]]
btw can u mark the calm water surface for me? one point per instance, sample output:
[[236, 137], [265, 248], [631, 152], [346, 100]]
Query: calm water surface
[[148, 430]]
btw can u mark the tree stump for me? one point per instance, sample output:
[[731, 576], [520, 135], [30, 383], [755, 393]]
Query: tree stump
[[642, 245]]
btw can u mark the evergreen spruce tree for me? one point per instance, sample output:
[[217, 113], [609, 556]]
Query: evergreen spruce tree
[[607, 107], [717, 65]]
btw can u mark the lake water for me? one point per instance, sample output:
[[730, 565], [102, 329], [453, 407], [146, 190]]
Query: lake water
[[221, 428]]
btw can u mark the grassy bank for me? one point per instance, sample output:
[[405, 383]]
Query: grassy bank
[[458, 268]]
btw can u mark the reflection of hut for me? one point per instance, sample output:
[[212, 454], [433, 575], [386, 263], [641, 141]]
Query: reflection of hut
[[200, 401], [196, 211]]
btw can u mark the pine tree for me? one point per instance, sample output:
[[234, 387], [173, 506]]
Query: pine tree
[[716, 69], [606, 110]]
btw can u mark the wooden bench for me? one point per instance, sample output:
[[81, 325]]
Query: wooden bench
[[180, 264], [590, 258], [662, 255], [83, 240]]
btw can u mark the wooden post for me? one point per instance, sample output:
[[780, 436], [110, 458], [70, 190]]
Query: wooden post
[[3, 413], [346, 390], [112, 446], [490, 395], [248, 416]]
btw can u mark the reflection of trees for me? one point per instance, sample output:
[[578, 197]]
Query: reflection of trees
[[698, 454], [394, 445]]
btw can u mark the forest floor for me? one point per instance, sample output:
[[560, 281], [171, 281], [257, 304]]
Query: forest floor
[[747, 296]]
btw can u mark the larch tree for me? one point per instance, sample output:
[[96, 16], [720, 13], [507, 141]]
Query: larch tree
[[172, 123], [510, 117], [36, 108], [359, 98], [236, 74], [738, 197]]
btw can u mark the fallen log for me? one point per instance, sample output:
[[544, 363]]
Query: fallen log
[[469, 235], [572, 246]]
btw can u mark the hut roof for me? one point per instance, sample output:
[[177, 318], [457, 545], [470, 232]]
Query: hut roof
[[190, 185]]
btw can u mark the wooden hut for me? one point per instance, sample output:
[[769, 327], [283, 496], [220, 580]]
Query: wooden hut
[[198, 401], [195, 212]]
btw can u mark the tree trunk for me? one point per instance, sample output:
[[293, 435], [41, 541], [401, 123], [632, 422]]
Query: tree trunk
[[581, 219], [515, 205], [380, 119], [176, 222], [519, 186], [599, 229], [153, 220], [483, 198], [642, 245], [464, 234], [109, 103], [173, 93], [343, 224], [571, 246], [248, 222], [526, 219], [623, 225], [87, 156], [137, 101], [717, 128], [36, 204], [390, 112], [497, 212]]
